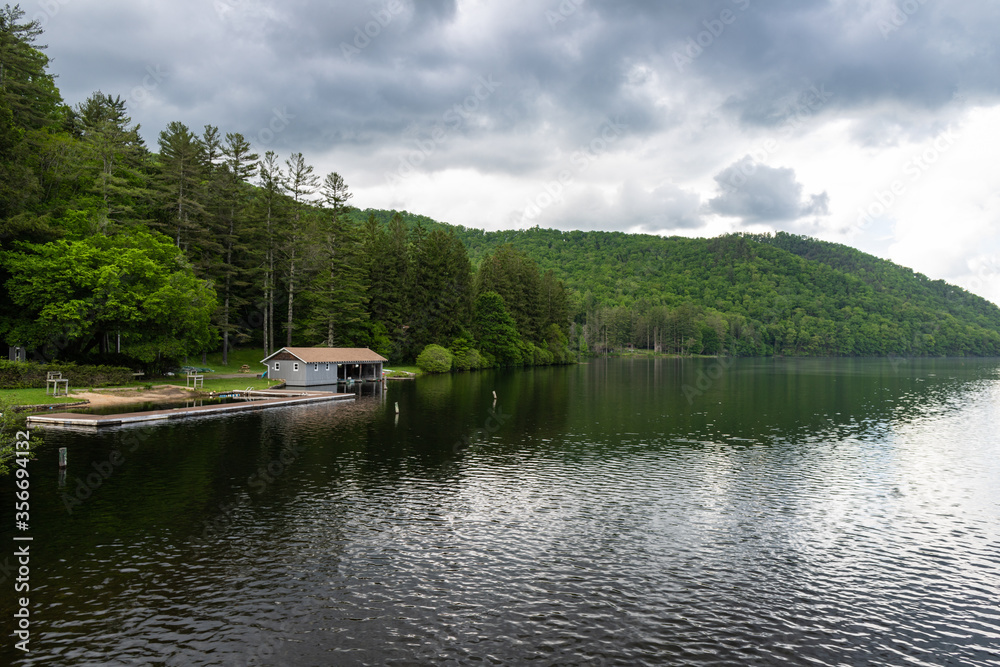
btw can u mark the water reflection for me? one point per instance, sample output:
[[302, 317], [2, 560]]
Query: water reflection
[[786, 511]]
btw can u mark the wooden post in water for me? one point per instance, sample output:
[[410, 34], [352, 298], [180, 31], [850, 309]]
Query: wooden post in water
[[397, 408], [62, 457], [494, 395]]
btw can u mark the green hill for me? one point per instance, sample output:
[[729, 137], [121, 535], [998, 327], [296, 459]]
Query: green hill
[[747, 294]]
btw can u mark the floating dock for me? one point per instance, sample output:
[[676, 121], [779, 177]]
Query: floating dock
[[255, 400]]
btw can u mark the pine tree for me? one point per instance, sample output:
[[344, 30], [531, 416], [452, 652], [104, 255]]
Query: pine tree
[[496, 330], [554, 302], [206, 238], [180, 176], [204, 244], [119, 159], [337, 293], [238, 166], [27, 90], [440, 297], [300, 183], [384, 268], [515, 277], [270, 184], [29, 102]]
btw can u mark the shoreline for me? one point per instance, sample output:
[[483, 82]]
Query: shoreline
[[122, 396]]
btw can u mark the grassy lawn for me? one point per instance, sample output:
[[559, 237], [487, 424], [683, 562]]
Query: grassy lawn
[[33, 397], [399, 370], [249, 356]]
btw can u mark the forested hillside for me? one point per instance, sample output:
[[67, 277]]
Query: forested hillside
[[750, 294]]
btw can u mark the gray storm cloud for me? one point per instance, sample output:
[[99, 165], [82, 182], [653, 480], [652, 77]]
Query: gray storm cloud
[[758, 193], [370, 81]]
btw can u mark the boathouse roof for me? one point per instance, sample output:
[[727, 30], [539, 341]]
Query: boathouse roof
[[331, 355]]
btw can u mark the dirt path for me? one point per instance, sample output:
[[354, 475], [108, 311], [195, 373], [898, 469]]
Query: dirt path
[[160, 394]]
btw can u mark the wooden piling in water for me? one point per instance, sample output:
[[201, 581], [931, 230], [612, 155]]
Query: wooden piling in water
[[62, 457]]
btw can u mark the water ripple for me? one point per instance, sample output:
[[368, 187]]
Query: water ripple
[[869, 536]]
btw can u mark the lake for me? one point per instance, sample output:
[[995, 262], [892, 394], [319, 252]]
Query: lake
[[619, 512]]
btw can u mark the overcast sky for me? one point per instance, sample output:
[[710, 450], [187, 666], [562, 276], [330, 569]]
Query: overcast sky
[[867, 122]]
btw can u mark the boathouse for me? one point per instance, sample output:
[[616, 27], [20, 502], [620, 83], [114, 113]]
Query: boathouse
[[311, 366]]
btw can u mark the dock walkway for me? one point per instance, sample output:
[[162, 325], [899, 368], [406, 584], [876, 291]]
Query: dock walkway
[[258, 400]]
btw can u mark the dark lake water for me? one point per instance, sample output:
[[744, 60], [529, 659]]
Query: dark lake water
[[785, 512]]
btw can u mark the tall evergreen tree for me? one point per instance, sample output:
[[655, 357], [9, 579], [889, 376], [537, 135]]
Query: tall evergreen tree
[[337, 292], [554, 301], [496, 330], [238, 166], [27, 90], [205, 245], [440, 298], [181, 170], [515, 277], [119, 156], [300, 184], [270, 185], [387, 259], [29, 101]]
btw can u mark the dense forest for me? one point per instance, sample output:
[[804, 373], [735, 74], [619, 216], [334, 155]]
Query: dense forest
[[113, 252], [742, 294], [117, 252], [750, 294]]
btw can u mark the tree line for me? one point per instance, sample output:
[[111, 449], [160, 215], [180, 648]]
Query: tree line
[[748, 295], [113, 251]]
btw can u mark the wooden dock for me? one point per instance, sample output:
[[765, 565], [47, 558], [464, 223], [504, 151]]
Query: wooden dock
[[256, 400]]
